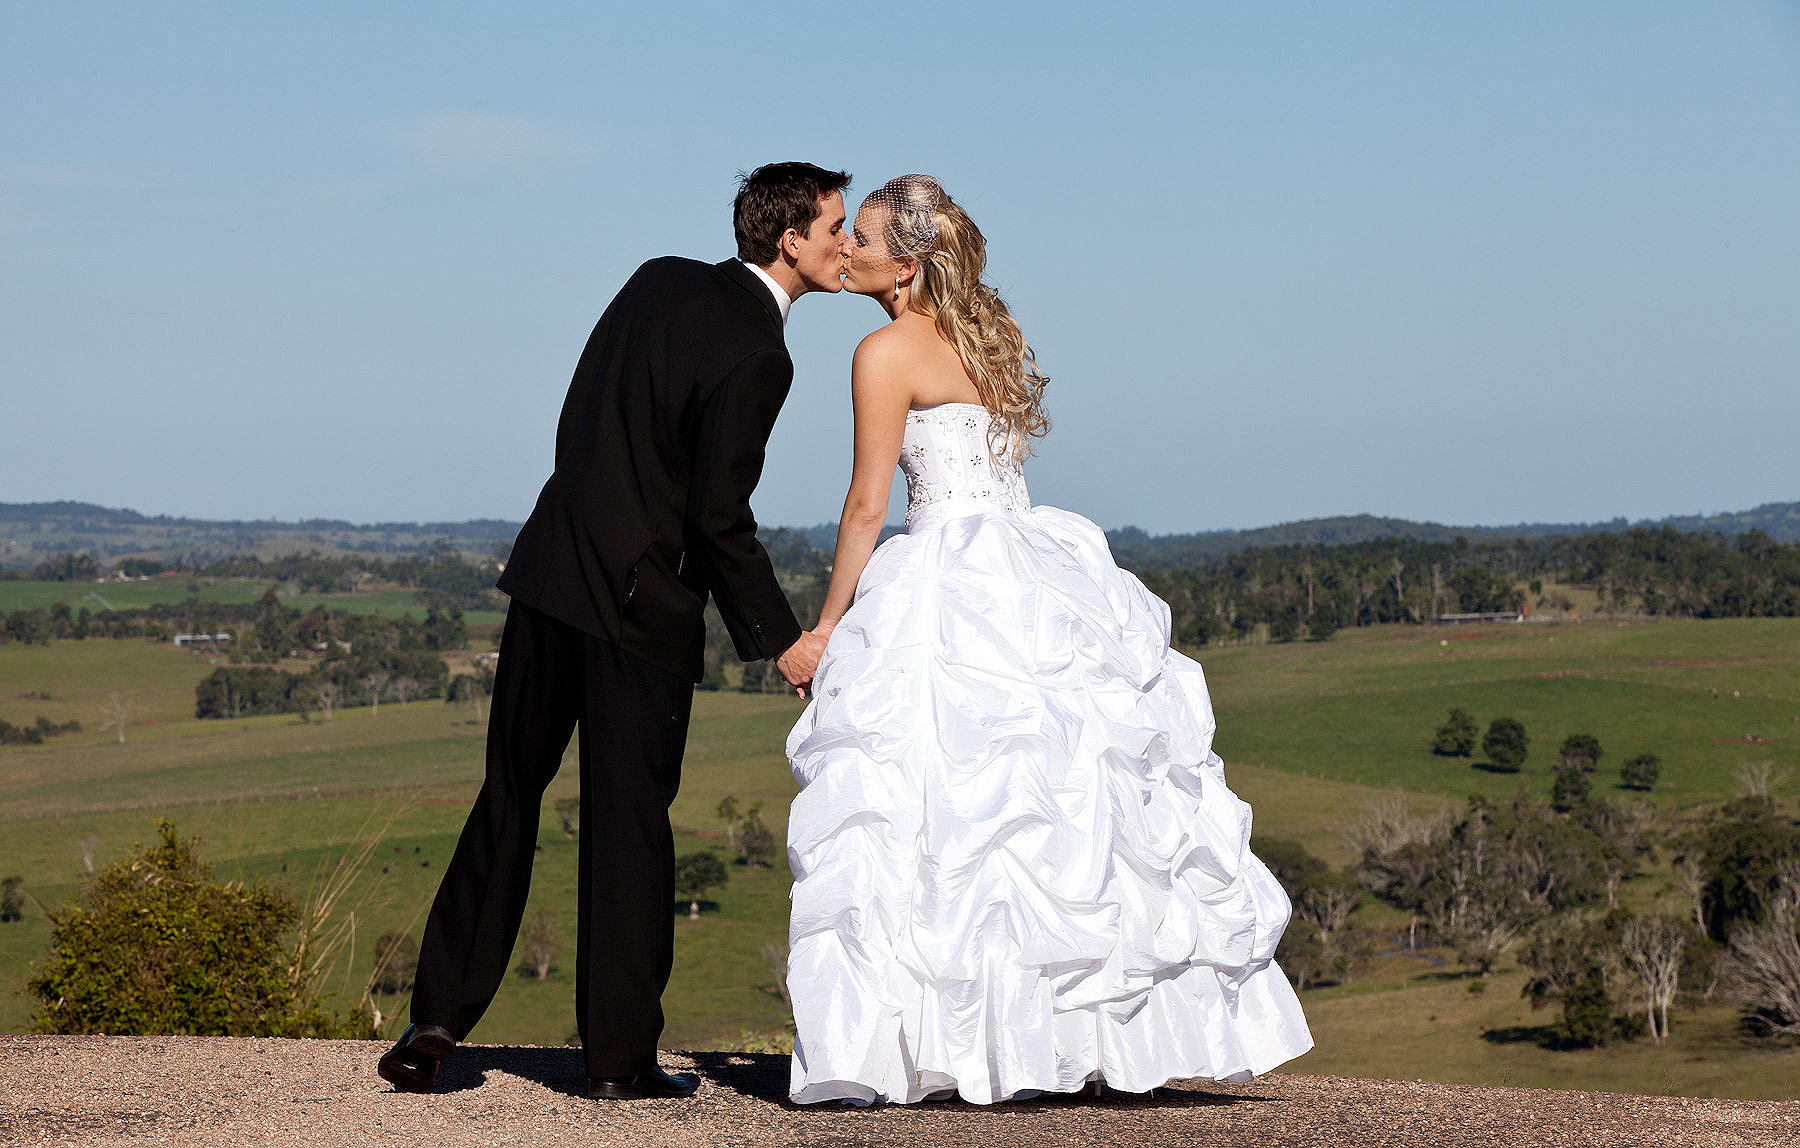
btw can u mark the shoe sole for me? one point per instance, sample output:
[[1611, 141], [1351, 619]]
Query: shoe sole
[[413, 1068], [605, 1091]]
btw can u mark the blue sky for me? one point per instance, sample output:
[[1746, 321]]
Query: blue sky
[[1476, 263]]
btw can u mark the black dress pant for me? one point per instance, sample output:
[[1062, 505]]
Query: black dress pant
[[633, 718]]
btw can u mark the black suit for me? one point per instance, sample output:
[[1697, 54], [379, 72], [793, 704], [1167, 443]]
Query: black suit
[[659, 446]]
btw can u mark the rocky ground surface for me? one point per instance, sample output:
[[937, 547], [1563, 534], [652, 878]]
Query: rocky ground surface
[[218, 1091]]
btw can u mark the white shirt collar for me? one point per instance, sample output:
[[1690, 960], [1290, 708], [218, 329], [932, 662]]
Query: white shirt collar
[[781, 297]]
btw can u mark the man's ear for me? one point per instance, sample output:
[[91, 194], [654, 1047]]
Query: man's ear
[[789, 246]]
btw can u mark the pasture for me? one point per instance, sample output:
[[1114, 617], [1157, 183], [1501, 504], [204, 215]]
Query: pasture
[[1311, 733]]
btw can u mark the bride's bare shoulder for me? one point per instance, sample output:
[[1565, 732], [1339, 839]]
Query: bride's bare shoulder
[[909, 338], [886, 348]]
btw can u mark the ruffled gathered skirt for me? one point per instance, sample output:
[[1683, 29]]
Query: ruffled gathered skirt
[[1017, 867]]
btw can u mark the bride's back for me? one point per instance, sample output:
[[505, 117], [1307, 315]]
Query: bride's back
[[923, 357]]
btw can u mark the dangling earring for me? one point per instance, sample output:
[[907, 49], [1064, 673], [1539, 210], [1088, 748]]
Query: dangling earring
[[896, 286]]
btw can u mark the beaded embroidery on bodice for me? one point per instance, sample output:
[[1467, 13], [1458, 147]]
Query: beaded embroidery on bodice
[[946, 458]]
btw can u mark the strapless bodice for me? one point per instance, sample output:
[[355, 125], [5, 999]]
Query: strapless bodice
[[950, 465]]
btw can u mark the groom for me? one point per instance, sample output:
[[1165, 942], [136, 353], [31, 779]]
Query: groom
[[659, 446]]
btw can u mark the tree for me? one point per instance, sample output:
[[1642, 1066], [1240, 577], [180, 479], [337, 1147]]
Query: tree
[[69, 567], [88, 846], [1587, 1018], [1744, 851], [396, 963], [115, 710], [1505, 744], [1764, 959], [1570, 788], [154, 946], [1562, 951], [1581, 750], [1652, 948], [329, 694], [1327, 902], [776, 957], [403, 687], [1321, 940], [375, 681], [1624, 832], [1301, 954], [462, 690], [756, 844], [752, 680], [1641, 772], [728, 813], [1494, 915], [541, 942], [1691, 877], [568, 811], [1456, 737], [1759, 779], [695, 873], [1293, 866], [12, 901]]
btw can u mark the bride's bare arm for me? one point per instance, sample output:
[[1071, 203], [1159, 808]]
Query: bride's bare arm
[[881, 396]]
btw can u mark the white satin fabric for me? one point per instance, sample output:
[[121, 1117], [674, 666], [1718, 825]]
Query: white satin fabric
[[1017, 867]]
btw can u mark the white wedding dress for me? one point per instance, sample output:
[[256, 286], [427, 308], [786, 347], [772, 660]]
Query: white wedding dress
[[1017, 867]]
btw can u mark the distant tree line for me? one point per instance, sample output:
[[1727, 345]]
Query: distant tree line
[[262, 631], [443, 578], [1283, 593], [158, 623], [1291, 592], [364, 659], [805, 573], [35, 733]]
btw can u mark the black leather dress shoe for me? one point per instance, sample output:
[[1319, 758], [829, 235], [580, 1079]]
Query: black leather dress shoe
[[651, 1084], [412, 1064]]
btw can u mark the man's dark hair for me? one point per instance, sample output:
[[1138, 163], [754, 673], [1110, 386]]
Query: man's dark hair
[[775, 197]]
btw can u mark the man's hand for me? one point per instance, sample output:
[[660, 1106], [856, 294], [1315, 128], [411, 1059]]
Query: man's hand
[[801, 660]]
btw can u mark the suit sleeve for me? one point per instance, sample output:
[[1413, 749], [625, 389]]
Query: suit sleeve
[[735, 423]]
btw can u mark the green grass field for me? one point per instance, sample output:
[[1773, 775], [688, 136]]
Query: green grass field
[[1361, 708], [1311, 732]]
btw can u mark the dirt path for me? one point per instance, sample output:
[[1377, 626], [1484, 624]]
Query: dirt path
[[218, 1091]]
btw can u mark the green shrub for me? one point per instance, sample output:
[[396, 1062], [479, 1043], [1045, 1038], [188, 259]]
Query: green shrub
[[1456, 737], [1570, 788], [1293, 866], [12, 900], [1641, 772], [1581, 749], [695, 873], [755, 841], [154, 946], [1505, 744], [1587, 1013]]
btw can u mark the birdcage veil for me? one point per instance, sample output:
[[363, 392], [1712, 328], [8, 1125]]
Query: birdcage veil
[[902, 214]]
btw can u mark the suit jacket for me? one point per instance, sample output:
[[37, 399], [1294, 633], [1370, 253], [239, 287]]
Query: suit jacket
[[659, 446]]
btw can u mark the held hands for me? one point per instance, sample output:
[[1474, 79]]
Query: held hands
[[801, 660]]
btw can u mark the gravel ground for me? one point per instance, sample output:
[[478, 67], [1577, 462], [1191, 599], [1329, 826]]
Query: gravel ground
[[219, 1091]]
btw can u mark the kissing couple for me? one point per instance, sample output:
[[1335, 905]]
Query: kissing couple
[[1017, 866]]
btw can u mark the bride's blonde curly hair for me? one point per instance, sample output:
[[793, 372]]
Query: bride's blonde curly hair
[[925, 224]]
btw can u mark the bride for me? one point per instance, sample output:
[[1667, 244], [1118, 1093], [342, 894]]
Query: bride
[[1017, 867]]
